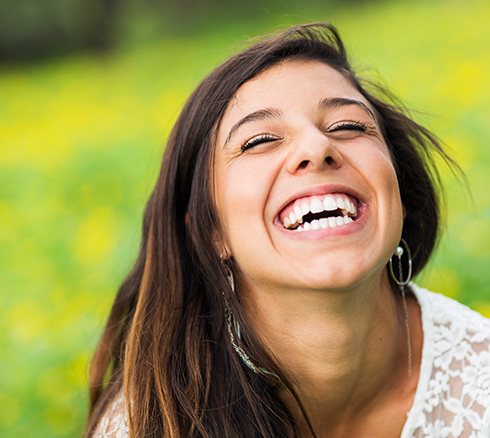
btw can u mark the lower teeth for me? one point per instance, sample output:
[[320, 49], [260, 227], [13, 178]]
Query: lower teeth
[[331, 222]]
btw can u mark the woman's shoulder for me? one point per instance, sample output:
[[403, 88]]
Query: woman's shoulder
[[449, 313], [453, 396], [458, 337], [114, 422]]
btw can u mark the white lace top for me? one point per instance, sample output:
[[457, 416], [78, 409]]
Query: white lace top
[[453, 393]]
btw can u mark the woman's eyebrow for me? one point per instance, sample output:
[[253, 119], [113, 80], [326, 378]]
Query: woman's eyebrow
[[263, 114], [336, 102], [273, 113]]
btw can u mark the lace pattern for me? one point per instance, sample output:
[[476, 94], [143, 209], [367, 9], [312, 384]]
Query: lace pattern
[[113, 423], [453, 393]]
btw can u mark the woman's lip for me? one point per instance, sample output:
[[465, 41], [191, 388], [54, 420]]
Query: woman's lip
[[321, 190]]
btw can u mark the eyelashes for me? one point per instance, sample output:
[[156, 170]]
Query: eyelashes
[[348, 126], [262, 138]]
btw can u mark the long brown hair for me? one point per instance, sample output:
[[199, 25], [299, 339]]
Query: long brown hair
[[166, 343]]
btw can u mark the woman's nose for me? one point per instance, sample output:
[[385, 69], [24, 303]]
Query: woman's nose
[[314, 152]]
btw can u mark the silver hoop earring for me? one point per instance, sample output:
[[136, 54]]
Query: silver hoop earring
[[399, 253], [402, 283]]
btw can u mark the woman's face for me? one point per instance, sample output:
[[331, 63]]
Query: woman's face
[[305, 188]]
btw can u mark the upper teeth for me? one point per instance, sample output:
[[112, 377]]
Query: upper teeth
[[317, 204]]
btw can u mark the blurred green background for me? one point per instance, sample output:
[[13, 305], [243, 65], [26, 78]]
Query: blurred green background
[[88, 93]]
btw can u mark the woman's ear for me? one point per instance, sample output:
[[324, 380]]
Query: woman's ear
[[225, 254], [221, 247]]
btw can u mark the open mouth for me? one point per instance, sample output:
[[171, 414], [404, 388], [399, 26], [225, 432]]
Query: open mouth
[[317, 212]]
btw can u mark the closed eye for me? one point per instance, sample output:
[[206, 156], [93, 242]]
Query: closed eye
[[263, 138], [348, 126]]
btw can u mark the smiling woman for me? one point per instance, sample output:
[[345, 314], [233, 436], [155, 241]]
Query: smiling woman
[[271, 295]]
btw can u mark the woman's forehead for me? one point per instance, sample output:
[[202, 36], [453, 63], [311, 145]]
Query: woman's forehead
[[285, 86]]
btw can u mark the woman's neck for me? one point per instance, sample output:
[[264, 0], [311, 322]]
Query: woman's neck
[[346, 351]]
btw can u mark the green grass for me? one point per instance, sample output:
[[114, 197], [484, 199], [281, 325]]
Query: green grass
[[80, 144]]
